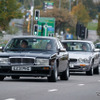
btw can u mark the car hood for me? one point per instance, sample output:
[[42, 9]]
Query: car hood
[[27, 54], [78, 55]]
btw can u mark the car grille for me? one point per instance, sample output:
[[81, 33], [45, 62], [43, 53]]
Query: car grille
[[73, 60], [21, 60]]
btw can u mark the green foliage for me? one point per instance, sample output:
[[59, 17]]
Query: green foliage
[[12, 30], [64, 19], [98, 29], [81, 13], [92, 26], [9, 9], [98, 6], [2, 42], [91, 7]]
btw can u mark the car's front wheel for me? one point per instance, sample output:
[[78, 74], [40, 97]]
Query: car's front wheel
[[90, 72], [96, 70], [1, 78], [54, 75], [65, 75], [15, 77]]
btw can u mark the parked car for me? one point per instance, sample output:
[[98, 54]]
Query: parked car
[[29, 56], [82, 56]]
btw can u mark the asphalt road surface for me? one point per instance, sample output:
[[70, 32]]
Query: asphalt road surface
[[78, 87], [92, 35]]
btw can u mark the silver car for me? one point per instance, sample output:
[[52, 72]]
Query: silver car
[[82, 56], [97, 45]]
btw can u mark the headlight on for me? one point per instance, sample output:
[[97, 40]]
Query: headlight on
[[4, 60], [42, 61]]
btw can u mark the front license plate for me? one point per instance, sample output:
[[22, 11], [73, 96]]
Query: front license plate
[[21, 68]]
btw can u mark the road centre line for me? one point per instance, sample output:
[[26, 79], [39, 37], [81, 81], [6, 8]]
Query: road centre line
[[52, 90], [81, 84], [98, 80]]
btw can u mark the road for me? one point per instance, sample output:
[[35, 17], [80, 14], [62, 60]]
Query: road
[[92, 35], [79, 87]]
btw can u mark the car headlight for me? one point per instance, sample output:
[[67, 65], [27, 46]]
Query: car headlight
[[83, 60], [42, 61], [4, 60]]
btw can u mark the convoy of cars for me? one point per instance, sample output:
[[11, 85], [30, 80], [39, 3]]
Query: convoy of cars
[[82, 56], [37, 56]]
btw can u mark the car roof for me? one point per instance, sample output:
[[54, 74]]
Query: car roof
[[77, 41], [32, 36], [98, 43]]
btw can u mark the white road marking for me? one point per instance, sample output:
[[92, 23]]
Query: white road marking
[[10, 99], [53, 90], [81, 84]]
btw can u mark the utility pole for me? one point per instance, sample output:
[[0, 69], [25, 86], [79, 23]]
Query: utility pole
[[59, 4], [77, 2], [32, 8], [69, 5]]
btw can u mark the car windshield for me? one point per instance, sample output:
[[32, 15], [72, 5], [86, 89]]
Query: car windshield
[[30, 44], [77, 46]]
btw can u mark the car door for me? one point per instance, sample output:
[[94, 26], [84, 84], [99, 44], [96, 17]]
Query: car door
[[62, 57], [96, 56]]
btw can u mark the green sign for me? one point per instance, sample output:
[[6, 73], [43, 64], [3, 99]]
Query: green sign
[[48, 5], [46, 26]]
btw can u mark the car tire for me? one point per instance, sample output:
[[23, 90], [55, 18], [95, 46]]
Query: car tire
[[96, 70], [90, 72], [2, 78], [65, 75], [54, 75], [15, 77]]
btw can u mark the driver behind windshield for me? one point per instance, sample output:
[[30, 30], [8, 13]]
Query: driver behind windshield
[[24, 44], [49, 46], [84, 47]]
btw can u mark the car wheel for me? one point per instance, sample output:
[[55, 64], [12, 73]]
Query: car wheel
[[90, 72], [15, 77], [2, 78], [96, 70], [65, 75], [54, 75]]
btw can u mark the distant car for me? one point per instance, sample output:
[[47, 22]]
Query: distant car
[[97, 45], [29, 56], [82, 56]]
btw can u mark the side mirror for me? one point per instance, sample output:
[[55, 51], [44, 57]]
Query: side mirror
[[1, 49], [62, 50]]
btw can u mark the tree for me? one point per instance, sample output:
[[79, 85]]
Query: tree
[[9, 9], [64, 19], [98, 29], [91, 7], [98, 6], [81, 13]]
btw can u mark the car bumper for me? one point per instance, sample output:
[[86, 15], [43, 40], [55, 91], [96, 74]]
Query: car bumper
[[36, 71], [79, 67]]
